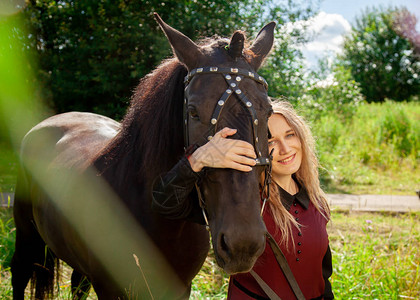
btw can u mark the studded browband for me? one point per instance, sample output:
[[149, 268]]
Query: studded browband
[[233, 77]]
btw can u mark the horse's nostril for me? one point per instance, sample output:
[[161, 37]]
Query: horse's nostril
[[223, 244]]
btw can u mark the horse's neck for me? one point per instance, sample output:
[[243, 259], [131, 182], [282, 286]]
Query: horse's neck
[[123, 164], [151, 138]]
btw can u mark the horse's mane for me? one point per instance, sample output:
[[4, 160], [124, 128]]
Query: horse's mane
[[151, 137]]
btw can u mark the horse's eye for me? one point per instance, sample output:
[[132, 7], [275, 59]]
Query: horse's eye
[[193, 113]]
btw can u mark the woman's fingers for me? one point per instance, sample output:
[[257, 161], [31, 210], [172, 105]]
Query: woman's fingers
[[247, 150], [221, 152], [239, 167], [243, 160], [225, 132], [239, 147], [226, 144]]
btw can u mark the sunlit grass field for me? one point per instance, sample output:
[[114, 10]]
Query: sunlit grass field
[[375, 256], [376, 151]]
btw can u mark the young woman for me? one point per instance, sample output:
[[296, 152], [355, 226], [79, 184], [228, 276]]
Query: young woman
[[295, 215]]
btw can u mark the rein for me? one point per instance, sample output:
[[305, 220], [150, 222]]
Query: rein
[[233, 77]]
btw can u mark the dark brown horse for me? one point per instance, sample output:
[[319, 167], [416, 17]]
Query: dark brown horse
[[107, 232]]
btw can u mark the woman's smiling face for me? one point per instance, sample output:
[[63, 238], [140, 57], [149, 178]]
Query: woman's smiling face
[[287, 154]]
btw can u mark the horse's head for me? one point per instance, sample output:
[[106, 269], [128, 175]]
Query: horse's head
[[223, 89]]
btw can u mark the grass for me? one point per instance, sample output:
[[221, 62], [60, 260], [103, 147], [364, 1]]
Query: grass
[[375, 256], [211, 282], [7, 240], [376, 151], [7, 237]]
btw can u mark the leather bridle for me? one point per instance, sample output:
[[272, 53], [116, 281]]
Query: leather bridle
[[233, 77]]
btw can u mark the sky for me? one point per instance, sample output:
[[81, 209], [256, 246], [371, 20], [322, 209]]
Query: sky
[[335, 19]]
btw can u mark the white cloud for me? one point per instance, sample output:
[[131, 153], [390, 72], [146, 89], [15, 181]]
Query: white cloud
[[328, 32]]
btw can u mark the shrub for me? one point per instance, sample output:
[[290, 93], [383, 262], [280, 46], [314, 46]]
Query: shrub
[[336, 93], [396, 129], [382, 60], [377, 150]]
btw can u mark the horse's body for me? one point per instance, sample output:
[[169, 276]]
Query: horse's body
[[77, 139], [129, 156]]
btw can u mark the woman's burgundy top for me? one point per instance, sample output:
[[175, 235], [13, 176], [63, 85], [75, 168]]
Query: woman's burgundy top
[[308, 256]]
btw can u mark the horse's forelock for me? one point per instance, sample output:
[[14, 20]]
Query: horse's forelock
[[220, 42]]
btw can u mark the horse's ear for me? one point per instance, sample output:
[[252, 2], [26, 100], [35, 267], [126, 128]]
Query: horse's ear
[[184, 48], [236, 44], [262, 45]]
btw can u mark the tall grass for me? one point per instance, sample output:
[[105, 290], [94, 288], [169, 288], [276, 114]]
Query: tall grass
[[7, 237], [211, 283], [376, 151], [7, 246], [375, 256]]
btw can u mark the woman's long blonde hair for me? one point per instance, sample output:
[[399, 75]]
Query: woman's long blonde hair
[[307, 175]]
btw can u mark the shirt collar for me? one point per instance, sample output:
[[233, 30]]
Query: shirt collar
[[301, 197]]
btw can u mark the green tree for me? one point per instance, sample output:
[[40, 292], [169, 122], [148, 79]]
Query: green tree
[[333, 91], [405, 25], [381, 60], [285, 70], [92, 53]]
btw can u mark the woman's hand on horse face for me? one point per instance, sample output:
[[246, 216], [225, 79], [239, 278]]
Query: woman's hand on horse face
[[221, 152]]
